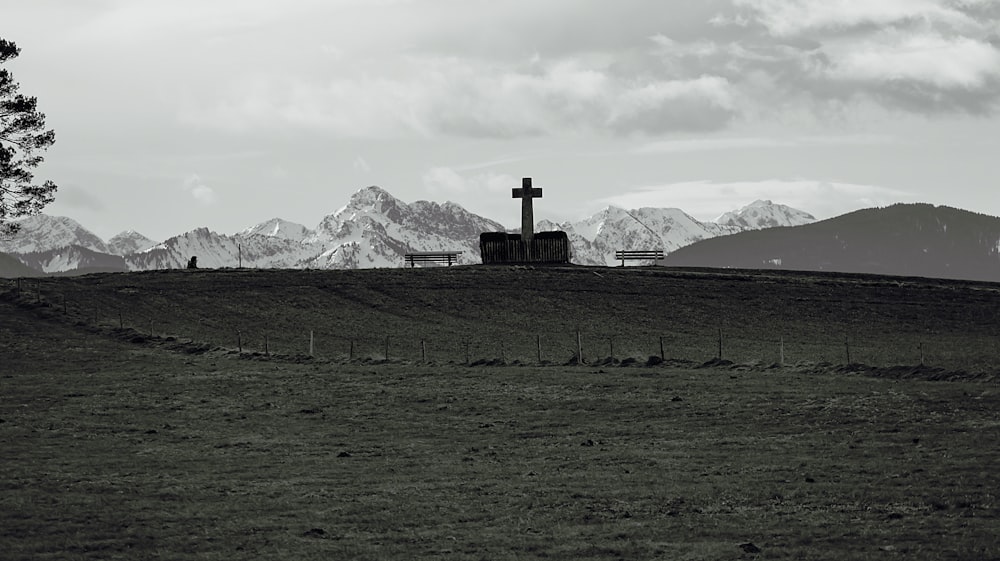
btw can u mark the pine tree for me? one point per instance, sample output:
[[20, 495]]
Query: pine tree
[[22, 135]]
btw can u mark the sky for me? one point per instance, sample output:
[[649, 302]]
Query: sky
[[176, 114]]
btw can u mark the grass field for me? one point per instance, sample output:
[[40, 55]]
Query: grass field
[[504, 314], [118, 445]]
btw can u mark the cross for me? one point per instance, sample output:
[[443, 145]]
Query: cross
[[526, 193]]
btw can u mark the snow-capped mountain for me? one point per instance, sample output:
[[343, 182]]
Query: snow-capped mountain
[[374, 229], [278, 228], [128, 242], [595, 239], [43, 232], [215, 250], [764, 214]]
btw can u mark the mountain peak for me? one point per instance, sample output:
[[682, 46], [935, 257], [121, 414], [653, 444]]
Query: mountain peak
[[128, 242], [278, 228], [42, 232], [371, 194], [372, 199], [764, 213]]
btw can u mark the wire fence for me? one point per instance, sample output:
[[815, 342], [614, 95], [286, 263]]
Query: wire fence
[[487, 343]]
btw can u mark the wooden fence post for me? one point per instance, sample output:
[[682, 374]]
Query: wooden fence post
[[538, 347], [267, 351], [781, 344], [350, 356], [847, 348], [387, 347], [920, 346], [239, 341], [662, 355], [423, 351], [579, 348], [720, 343], [312, 340]]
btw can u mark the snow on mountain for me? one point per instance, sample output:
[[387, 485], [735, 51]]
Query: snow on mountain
[[375, 229], [42, 233], [73, 258], [596, 238], [357, 243], [764, 214], [215, 250], [278, 228], [129, 241]]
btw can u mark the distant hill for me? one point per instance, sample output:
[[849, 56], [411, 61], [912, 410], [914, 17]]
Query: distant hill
[[11, 268], [904, 239], [73, 259]]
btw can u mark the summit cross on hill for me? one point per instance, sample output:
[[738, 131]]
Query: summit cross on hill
[[526, 193]]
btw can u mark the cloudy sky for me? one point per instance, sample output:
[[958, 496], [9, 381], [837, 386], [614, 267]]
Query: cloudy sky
[[174, 114]]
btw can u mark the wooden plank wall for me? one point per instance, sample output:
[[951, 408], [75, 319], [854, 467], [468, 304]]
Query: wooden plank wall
[[546, 247]]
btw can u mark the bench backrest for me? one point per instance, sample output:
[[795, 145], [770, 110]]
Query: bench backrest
[[639, 254], [431, 256]]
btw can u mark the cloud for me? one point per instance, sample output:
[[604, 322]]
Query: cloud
[[76, 197], [447, 72], [446, 180], [899, 64], [916, 55], [150, 19], [704, 144], [707, 200], [201, 193], [361, 164], [794, 17], [453, 96]]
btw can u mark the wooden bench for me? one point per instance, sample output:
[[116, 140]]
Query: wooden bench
[[636, 255], [448, 257]]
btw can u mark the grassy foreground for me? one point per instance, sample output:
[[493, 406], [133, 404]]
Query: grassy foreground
[[114, 449]]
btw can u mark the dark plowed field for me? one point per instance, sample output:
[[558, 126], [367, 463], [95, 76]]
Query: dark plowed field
[[131, 427]]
